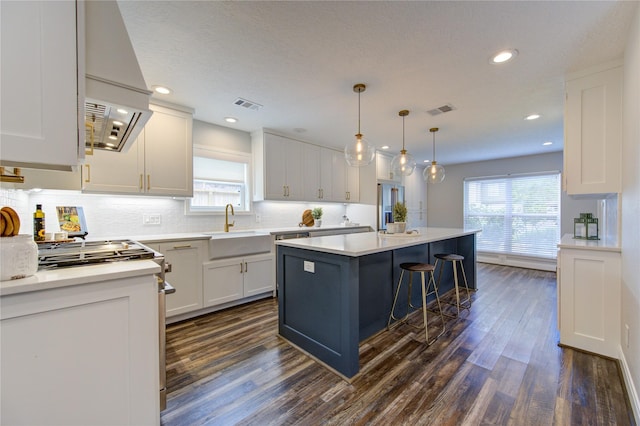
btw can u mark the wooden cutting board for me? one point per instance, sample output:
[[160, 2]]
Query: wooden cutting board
[[307, 218]]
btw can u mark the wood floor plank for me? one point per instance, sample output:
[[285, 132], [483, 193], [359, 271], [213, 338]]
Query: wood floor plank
[[498, 363]]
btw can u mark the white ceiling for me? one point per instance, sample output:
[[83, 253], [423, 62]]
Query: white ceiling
[[300, 60]]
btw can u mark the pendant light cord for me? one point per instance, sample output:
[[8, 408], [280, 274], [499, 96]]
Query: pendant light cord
[[434, 146], [403, 132], [359, 112]]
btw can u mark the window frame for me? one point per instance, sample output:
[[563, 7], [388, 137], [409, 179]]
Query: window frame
[[223, 155], [507, 242]]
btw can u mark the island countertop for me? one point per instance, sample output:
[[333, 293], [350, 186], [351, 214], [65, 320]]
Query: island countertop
[[362, 244]]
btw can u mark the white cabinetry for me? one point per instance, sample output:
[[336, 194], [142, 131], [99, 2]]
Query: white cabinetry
[[159, 162], [185, 264], [589, 300], [40, 84], [278, 167], [82, 354], [327, 177], [383, 168], [231, 279], [593, 133], [415, 190], [288, 169]]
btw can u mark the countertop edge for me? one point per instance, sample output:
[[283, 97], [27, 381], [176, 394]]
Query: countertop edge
[[568, 242], [373, 242], [66, 277]]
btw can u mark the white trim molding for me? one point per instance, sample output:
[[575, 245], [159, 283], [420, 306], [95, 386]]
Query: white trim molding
[[632, 390]]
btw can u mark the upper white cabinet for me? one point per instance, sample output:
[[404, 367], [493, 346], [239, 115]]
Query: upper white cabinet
[[287, 169], [40, 112], [327, 177], [415, 190], [383, 168], [159, 162], [278, 167], [593, 133]]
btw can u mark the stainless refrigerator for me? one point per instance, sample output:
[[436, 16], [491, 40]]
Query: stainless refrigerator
[[388, 195]]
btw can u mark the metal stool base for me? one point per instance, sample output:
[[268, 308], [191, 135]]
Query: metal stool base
[[421, 268]]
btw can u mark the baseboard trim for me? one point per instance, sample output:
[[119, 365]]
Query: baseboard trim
[[632, 390], [517, 261]]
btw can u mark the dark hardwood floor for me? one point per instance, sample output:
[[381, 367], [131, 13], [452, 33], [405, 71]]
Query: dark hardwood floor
[[497, 364]]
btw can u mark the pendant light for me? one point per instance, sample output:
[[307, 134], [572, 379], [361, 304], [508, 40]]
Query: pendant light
[[403, 164], [360, 153], [435, 172]]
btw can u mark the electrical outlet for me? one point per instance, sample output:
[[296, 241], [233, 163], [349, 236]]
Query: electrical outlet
[[626, 335], [151, 219], [258, 218]]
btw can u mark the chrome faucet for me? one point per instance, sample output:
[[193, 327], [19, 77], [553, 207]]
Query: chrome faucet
[[227, 225]]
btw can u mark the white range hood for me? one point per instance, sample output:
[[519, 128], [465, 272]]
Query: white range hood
[[117, 98]]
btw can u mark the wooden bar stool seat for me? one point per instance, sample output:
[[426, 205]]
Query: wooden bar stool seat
[[421, 268], [455, 259]]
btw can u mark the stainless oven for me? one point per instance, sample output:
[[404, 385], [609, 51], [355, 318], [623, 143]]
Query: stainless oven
[[73, 254]]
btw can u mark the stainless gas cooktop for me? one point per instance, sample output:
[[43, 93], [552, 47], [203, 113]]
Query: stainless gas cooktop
[[58, 255]]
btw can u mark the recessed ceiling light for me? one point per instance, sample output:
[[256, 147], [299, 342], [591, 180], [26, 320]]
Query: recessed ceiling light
[[231, 119], [122, 111], [426, 161], [163, 90], [384, 147], [118, 123], [547, 143], [504, 56], [532, 117]]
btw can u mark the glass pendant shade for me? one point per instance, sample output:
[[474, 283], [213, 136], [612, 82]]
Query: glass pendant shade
[[403, 164], [435, 172], [359, 152]]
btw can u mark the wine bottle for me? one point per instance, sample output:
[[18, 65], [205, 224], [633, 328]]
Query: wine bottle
[[38, 224]]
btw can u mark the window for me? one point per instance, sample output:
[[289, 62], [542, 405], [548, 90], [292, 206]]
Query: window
[[518, 214], [219, 178]]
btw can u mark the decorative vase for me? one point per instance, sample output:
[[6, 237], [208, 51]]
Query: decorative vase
[[318, 223]]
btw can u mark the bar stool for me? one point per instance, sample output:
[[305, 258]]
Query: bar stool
[[454, 259], [421, 268]]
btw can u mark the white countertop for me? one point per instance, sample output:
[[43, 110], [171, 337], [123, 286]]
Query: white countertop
[[207, 235], [361, 244], [64, 277], [568, 242]]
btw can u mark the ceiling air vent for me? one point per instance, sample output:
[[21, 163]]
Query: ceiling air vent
[[247, 104], [442, 109]]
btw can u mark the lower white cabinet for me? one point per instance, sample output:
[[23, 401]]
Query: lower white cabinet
[[231, 279], [81, 355], [589, 284], [185, 260]]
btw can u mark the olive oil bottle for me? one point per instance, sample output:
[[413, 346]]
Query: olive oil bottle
[[38, 223]]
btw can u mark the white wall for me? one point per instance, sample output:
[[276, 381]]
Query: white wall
[[445, 200], [630, 222]]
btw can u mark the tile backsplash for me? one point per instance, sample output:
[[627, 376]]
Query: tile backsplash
[[109, 216]]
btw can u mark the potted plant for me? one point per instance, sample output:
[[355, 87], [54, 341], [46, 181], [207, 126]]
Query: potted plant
[[399, 224], [317, 215]]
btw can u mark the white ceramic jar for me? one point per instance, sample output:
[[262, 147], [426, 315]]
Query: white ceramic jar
[[18, 257]]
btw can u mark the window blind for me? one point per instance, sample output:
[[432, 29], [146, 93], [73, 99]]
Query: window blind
[[518, 214]]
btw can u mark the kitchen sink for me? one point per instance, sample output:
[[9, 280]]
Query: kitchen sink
[[240, 243]]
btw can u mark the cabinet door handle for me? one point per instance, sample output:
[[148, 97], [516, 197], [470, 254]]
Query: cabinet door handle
[[319, 196], [288, 190], [182, 247], [245, 267], [148, 182], [88, 179], [140, 185], [240, 267]]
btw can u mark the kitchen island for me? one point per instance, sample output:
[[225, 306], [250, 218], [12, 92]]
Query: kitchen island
[[336, 291]]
